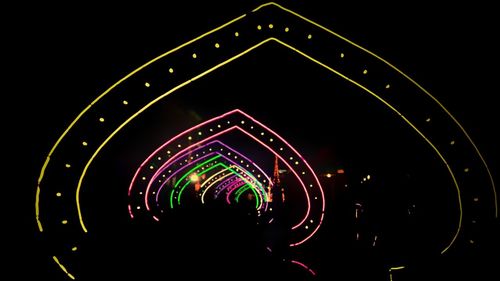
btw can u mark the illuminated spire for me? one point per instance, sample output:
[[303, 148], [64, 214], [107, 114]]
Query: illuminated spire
[[276, 182], [276, 173]]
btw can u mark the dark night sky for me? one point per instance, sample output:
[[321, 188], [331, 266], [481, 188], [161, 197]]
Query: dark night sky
[[63, 56]]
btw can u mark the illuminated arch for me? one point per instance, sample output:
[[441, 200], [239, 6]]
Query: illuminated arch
[[237, 120], [90, 112]]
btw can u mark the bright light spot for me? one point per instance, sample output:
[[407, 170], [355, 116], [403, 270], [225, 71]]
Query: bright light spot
[[140, 193], [159, 158], [291, 158], [387, 86], [194, 178], [74, 249], [64, 222], [311, 221], [296, 162], [466, 170], [211, 130], [242, 122], [190, 138], [365, 71], [328, 175], [251, 127], [194, 55], [168, 152], [340, 171], [476, 199], [315, 197], [147, 84], [151, 167], [271, 140], [258, 176], [84, 143], [368, 177], [271, 26], [58, 194], [471, 241], [143, 178], [138, 207], [306, 227], [171, 70], [67, 166], [125, 102], [309, 36], [303, 172], [428, 119], [262, 133], [229, 153], [342, 55], [452, 142], [310, 185], [154, 192], [199, 133], [287, 29], [259, 27], [101, 119], [218, 126], [217, 45], [281, 148], [179, 146], [236, 34]]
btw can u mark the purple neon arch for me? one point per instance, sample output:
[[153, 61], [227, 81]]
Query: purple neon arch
[[243, 171], [201, 147], [167, 165]]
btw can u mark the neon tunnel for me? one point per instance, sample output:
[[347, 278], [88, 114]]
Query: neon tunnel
[[199, 150]]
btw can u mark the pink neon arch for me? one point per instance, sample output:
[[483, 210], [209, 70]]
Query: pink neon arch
[[272, 133]]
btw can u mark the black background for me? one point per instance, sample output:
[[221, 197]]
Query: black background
[[59, 57]]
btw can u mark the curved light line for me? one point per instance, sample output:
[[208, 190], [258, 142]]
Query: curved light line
[[225, 184], [243, 191], [407, 121], [176, 156], [63, 268], [221, 155], [229, 186], [192, 163], [200, 147], [42, 172], [304, 266], [490, 175], [233, 172], [230, 182], [204, 172], [255, 182], [171, 176], [293, 171]]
